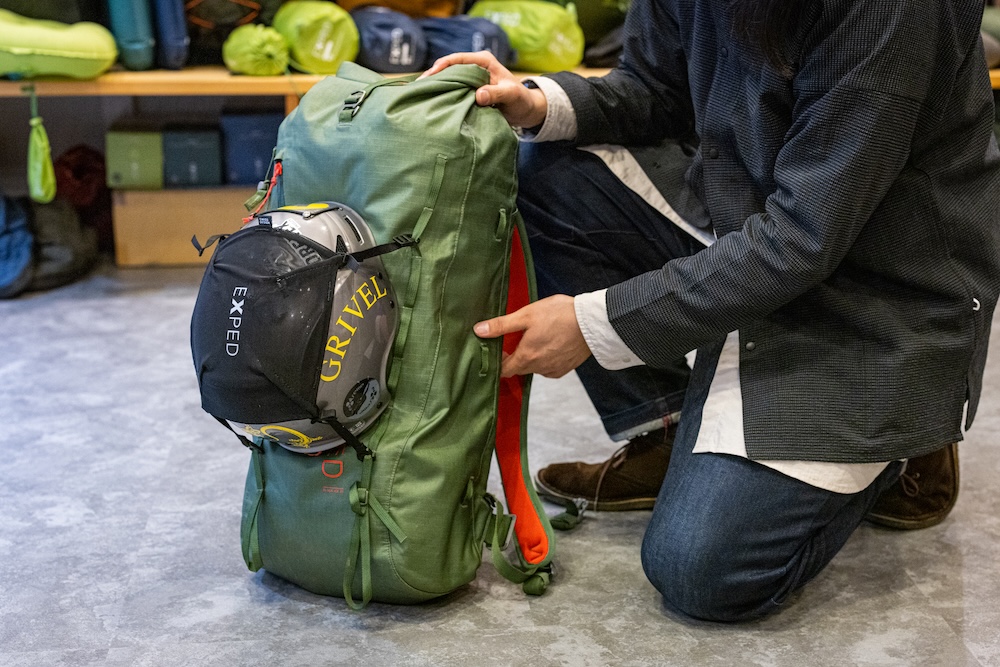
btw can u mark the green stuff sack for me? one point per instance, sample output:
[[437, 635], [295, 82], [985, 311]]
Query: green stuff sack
[[991, 21], [409, 522], [320, 35], [41, 173], [35, 47], [546, 36], [210, 22], [256, 50]]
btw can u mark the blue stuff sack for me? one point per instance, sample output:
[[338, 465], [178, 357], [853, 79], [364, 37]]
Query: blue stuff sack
[[465, 33], [391, 42]]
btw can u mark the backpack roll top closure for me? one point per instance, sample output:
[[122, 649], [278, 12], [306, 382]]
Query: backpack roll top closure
[[456, 76]]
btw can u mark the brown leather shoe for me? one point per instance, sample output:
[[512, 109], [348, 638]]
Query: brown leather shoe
[[923, 495], [629, 480]]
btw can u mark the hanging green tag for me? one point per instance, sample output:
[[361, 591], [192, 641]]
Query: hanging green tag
[[41, 175], [257, 197]]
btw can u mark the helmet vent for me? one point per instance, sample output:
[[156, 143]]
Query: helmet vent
[[354, 228], [341, 246]]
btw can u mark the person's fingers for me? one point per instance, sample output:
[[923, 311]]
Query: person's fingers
[[439, 65], [505, 93], [512, 365], [483, 97], [498, 326], [484, 59], [486, 96], [520, 106]]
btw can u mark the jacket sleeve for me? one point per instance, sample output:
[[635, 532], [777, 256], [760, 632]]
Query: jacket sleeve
[[858, 96]]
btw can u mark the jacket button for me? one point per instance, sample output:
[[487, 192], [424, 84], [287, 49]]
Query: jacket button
[[713, 153], [725, 51], [751, 345]]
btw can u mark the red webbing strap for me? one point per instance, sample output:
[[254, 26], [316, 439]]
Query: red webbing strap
[[531, 535], [267, 197]]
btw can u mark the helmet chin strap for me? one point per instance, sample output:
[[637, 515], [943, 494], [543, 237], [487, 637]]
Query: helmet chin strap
[[247, 442], [360, 448], [354, 259]]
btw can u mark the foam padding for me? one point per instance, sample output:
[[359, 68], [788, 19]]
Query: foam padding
[[529, 529]]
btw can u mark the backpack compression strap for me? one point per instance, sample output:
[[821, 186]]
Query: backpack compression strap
[[362, 501]]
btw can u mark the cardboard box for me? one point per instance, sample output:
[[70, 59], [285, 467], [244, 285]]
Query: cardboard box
[[192, 157], [248, 140], [155, 228], [134, 158]]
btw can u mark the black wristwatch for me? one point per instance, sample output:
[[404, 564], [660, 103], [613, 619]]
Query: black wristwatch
[[537, 128]]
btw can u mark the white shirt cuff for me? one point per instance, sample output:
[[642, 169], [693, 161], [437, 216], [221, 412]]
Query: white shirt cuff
[[605, 344], [560, 118]]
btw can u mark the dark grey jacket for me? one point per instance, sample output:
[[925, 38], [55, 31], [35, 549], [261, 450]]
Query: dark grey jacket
[[857, 204]]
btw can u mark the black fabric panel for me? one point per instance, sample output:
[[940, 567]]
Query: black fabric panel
[[259, 327]]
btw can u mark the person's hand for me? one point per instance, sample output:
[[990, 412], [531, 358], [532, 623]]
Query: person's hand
[[552, 344], [520, 105]]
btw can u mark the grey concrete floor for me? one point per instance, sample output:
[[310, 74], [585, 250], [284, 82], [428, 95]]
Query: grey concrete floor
[[119, 533]]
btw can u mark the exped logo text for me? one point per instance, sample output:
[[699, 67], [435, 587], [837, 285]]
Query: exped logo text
[[370, 292], [235, 320]]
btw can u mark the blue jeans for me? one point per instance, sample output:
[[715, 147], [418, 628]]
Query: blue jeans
[[587, 231], [729, 539]]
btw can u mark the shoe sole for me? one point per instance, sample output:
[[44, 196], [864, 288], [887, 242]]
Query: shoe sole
[[627, 505], [907, 524]]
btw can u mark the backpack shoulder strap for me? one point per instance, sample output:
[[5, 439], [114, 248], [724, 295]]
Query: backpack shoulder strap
[[532, 529]]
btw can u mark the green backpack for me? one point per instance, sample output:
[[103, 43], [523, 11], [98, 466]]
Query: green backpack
[[408, 524]]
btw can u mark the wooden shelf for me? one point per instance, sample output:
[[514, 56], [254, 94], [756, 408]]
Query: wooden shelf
[[196, 81], [209, 80]]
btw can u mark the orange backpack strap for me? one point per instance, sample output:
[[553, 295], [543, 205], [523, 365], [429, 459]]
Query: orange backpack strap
[[533, 532]]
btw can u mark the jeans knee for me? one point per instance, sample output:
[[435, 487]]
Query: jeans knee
[[702, 581]]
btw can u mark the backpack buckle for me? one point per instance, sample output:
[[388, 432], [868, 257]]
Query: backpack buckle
[[353, 102], [498, 524]]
